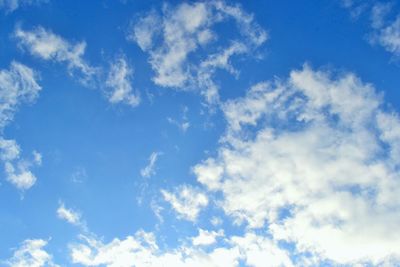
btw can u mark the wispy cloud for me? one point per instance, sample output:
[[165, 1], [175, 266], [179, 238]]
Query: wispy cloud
[[119, 82], [69, 215], [172, 37], [187, 201], [150, 169], [17, 85], [43, 43]]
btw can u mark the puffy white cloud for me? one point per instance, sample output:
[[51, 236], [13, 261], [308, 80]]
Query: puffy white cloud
[[69, 215], [12, 5], [119, 81], [142, 250], [315, 160], [31, 253], [206, 237], [17, 85], [187, 201], [258, 251], [176, 35], [149, 170], [46, 45]]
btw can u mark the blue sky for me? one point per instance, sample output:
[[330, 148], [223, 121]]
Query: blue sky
[[199, 133]]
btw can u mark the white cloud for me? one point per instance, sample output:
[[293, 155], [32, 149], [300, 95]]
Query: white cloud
[[378, 14], [389, 37], [315, 160], [179, 32], [69, 215], [187, 201], [119, 81], [259, 251], [17, 85], [150, 170], [142, 250], [31, 253], [385, 32], [12, 5], [22, 177], [206, 238], [46, 45]]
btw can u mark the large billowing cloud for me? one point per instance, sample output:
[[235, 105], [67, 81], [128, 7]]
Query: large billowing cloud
[[314, 160], [184, 33]]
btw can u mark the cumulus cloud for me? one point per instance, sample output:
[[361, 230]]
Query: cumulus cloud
[[142, 250], [315, 160], [31, 253], [44, 44], [69, 215], [119, 82], [150, 170], [18, 85], [185, 30], [187, 201], [206, 238]]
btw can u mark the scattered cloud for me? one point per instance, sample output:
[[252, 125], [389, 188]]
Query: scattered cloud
[[119, 82], [69, 215], [17, 85], [31, 253], [171, 38], [150, 169], [384, 30], [187, 201], [313, 159], [44, 44]]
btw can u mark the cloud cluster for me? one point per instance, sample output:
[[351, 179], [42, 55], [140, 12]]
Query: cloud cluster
[[315, 160], [173, 38], [18, 85], [31, 253], [142, 250]]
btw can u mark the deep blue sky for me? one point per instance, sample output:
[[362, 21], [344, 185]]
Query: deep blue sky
[[93, 150]]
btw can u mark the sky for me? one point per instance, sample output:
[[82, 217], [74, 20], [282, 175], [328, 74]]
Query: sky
[[199, 133]]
